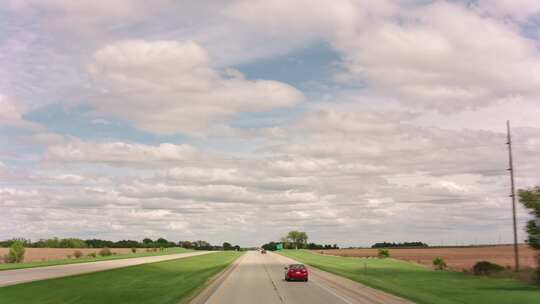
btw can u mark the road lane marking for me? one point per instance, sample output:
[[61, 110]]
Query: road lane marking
[[273, 283], [333, 292]]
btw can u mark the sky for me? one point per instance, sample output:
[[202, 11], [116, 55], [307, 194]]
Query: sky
[[355, 121]]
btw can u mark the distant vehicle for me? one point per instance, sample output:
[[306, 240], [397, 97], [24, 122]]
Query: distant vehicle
[[296, 272], [263, 251]]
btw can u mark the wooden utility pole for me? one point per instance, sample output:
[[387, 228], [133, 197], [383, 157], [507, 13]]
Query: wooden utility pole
[[513, 193]]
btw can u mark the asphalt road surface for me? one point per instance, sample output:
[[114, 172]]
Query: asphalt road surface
[[259, 278], [11, 277]]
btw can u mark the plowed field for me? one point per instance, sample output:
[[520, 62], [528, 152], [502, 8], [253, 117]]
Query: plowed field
[[456, 258]]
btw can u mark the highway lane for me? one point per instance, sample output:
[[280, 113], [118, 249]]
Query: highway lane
[[259, 278], [11, 277]]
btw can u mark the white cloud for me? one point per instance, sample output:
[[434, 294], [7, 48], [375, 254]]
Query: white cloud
[[69, 178], [170, 87], [217, 193], [516, 9], [320, 20], [91, 12], [447, 58], [120, 153], [270, 28], [437, 56], [337, 167], [520, 112], [413, 176], [205, 175]]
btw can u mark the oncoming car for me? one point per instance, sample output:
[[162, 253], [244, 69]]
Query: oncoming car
[[296, 272]]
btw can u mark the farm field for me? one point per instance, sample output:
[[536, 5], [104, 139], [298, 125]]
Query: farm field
[[39, 257], [419, 283], [163, 282], [457, 258]]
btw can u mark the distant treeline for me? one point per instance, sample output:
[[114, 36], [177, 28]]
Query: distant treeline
[[397, 245], [97, 243], [272, 246]]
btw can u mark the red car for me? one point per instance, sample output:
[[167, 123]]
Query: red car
[[263, 251], [296, 272]]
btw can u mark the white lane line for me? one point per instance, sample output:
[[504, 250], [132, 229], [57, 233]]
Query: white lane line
[[273, 283], [333, 292]]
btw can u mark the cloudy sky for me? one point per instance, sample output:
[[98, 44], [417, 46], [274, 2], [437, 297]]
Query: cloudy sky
[[356, 121]]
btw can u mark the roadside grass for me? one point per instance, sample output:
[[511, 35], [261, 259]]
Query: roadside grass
[[420, 283], [89, 259], [163, 282]]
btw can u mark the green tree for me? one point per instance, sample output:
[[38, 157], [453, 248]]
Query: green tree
[[227, 246], [51, 243], [530, 198], [302, 239], [293, 236], [202, 245], [383, 253], [185, 244], [270, 246], [72, 243], [439, 263], [147, 242], [161, 242], [298, 238], [16, 252]]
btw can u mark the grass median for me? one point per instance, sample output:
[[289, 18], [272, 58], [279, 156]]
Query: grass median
[[420, 283], [139, 254], [164, 282]]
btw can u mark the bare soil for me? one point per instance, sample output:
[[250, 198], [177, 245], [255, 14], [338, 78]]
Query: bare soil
[[46, 254], [457, 258]]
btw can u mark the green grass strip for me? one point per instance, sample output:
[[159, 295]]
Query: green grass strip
[[420, 283], [164, 282], [139, 254]]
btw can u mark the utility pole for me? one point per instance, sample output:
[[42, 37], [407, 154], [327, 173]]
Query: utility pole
[[513, 193]]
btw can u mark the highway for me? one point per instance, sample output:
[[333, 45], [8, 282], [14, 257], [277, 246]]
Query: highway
[[11, 277], [259, 278]]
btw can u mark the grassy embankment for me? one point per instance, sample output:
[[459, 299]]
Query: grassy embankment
[[420, 283], [164, 282], [85, 259]]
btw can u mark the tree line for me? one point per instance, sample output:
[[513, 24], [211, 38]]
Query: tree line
[[98, 243], [398, 245], [296, 240], [272, 246]]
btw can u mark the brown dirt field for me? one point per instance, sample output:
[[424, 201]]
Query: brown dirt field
[[45, 254], [456, 258]]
